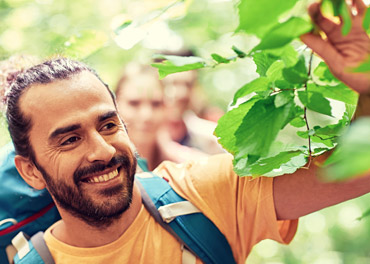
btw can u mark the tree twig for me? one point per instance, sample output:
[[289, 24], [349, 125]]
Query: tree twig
[[305, 114]]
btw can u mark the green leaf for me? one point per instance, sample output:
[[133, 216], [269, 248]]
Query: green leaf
[[328, 135], [339, 92], [84, 44], [296, 74], [351, 157], [315, 101], [173, 64], [229, 123], [275, 72], [283, 33], [283, 98], [257, 17], [303, 134], [364, 67], [298, 122], [281, 164], [289, 55], [323, 73], [219, 58], [327, 142], [123, 26], [331, 131], [366, 22], [319, 151], [260, 127], [284, 85], [365, 214], [259, 84], [239, 52], [263, 61], [339, 8], [346, 18], [265, 58], [179, 60], [350, 111]]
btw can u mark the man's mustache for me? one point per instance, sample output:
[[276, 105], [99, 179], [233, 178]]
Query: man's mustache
[[123, 161]]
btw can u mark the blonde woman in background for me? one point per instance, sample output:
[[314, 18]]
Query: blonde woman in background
[[140, 102]]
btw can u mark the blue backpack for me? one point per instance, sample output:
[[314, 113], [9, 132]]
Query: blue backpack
[[24, 210]]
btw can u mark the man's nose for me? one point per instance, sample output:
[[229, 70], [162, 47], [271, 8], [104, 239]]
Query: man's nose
[[99, 149]]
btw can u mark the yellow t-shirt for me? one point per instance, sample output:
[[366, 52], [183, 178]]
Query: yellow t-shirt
[[242, 208]]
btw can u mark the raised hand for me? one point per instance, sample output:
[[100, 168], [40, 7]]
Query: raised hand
[[342, 53]]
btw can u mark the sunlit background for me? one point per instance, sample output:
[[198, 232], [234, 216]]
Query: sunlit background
[[107, 34]]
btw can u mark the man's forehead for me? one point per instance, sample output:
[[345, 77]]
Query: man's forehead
[[83, 83], [64, 101]]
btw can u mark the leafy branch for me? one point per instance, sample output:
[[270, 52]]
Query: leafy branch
[[262, 129]]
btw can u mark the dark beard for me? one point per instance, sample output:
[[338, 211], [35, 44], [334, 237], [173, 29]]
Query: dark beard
[[74, 200]]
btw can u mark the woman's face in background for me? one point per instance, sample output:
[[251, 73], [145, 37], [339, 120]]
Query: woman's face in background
[[140, 103]]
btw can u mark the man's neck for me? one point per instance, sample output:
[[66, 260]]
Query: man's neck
[[76, 232]]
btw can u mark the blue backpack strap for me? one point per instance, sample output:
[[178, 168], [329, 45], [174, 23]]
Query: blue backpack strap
[[31, 251], [42, 249], [195, 230], [143, 163]]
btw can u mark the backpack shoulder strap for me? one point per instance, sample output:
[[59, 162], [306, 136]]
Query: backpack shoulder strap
[[31, 251], [42, 249], [183, 220]]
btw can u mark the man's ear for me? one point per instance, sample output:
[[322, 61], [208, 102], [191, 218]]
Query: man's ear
[[29, 172]]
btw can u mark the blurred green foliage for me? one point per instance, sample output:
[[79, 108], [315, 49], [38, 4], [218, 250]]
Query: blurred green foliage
[[331, 236], [86, 30]]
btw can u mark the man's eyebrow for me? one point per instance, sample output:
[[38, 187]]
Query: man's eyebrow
[[64, 130], [107, 115]]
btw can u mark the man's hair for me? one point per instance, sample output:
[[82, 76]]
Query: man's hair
[[47, 72]]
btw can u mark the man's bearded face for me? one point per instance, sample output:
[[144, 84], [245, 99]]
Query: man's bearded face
[[82, 153], [76, 199]]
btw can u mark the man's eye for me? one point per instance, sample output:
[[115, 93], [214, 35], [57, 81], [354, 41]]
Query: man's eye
[[70, 141], [109, 126]]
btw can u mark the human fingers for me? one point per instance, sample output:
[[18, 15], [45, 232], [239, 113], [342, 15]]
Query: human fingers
[[322, 48], [360, 6], [322, 22], [318, 45]]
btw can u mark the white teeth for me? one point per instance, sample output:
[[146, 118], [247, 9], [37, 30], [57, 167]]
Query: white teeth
[[105, 177]]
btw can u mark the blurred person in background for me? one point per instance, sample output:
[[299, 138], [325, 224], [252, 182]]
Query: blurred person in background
[[183, 124], [140, 100]]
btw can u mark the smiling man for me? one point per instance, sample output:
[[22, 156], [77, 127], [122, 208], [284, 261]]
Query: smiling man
[[84, 144], [70, 139], [77, 147]]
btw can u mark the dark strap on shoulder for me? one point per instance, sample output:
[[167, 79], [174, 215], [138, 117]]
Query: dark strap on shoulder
[[39, 244], [199, 234], [149, 205]]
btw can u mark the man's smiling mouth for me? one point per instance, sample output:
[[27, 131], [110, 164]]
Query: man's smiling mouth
[[103, 178]]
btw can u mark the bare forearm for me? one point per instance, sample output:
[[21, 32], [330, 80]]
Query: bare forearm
[[303, 193]]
